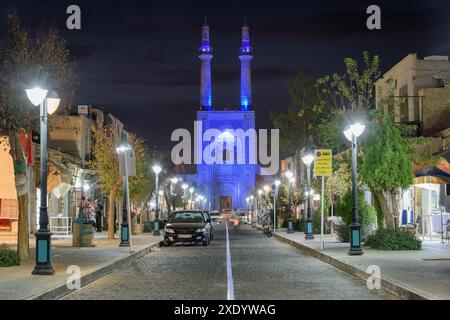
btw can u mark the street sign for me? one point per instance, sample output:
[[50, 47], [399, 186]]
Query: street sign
[[127, 160], [322, 162]]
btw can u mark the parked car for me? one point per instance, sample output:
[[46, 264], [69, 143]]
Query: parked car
[[243, 217], [226, 214], [185, 226], [215, 217]]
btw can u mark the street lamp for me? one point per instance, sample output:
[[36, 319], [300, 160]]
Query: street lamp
[[157, 170], [48, 102], [184, 186], [191, 190], [352, 134], [173, 181], [122, 149], [290, 226], [309, 233], [275, 187]]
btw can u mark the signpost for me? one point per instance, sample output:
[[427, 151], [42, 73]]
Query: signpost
[[127, 168], [323, 159]]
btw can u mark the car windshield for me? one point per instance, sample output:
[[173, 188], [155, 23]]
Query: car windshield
[[186, 217]]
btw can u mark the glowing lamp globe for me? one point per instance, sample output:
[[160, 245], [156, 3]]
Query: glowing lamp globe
[[308, 159], [354, 130], [36, 95], [157, 169], [289, 174], [52, 102]]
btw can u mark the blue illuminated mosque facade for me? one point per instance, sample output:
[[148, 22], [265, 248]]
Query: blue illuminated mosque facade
[[232, 180]]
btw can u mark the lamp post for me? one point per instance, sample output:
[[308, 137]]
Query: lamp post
[[191, 190], [122, 149], [184, 187], [157, 170], [352, 134], [173, 181], [48, 102], [275, 186], [309, 232], [258, 202], [290, 226]]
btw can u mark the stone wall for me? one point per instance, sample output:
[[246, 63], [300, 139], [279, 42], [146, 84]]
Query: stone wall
[[435, 110]]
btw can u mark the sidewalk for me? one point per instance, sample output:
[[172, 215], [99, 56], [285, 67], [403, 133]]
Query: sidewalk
[[105, 257], [420, 274]]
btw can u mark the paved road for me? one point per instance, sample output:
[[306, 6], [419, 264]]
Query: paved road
[[262, 268]]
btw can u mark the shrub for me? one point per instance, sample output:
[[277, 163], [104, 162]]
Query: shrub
[[343, 232], [393, 239], [8, 256], [367, 213]]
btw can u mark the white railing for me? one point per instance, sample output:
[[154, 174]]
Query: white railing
[[61, 226]]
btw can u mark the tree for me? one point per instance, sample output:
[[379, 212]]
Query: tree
[[298, 124], [22, 61], [106, 167], [387, 163]]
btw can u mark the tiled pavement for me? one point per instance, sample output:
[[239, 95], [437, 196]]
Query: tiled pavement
[[19, 283], [425, 272]]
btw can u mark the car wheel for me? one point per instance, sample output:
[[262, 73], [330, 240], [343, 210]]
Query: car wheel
[[167, 243]]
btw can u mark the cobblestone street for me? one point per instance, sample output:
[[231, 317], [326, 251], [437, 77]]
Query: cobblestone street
[[262, 268]]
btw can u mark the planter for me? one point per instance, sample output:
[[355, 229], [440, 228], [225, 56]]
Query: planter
[[138, 228], [83, 235]]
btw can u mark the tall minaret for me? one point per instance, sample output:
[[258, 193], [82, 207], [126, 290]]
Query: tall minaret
[[246, 73], [205, 56]]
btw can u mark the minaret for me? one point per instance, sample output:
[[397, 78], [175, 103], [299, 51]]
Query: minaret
[[205, 56], [246, 74]]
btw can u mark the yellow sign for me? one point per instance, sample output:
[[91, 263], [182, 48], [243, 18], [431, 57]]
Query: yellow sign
[[322, 163]]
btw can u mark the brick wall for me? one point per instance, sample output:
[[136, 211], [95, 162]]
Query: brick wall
[[435, 109]]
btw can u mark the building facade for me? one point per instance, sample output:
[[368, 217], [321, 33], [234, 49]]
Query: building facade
[[422, 99], [231, 176]]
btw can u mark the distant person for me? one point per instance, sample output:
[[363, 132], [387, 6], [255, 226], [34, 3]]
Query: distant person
[[98, 218]]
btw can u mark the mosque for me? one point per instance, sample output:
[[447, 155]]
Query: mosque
[[226, 183]]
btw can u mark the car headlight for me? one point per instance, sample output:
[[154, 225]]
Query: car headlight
[[170, 230], [200, 230]]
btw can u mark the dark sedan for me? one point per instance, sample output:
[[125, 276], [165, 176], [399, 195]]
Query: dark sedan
[[188, 226]]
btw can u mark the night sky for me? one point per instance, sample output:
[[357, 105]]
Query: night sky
[[139, 59]]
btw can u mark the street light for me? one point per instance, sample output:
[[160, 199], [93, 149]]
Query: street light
[[122, 149], [290, 226], [157, 170], [47, 102], [173, 181], [184, 186], [352, 134], [191, 190], [275, 187], [309, 233]]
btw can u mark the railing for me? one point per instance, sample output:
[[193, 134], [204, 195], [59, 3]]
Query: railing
[[61, 226]]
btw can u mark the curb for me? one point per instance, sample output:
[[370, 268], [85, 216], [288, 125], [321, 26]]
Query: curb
[[61, 290], [388, 285]]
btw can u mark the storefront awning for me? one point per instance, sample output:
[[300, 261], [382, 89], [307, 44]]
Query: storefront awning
[[424, 180], [437, 174]]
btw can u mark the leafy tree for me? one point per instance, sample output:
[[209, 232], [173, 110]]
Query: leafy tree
[[22, 61], [299, 123], [106, 167], [387, 163]]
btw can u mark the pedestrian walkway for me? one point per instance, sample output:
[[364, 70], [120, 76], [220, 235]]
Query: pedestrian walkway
[[420, 274], [106, 256]]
